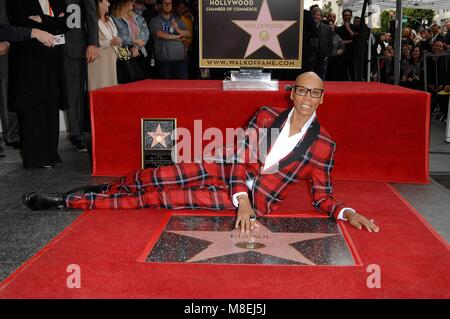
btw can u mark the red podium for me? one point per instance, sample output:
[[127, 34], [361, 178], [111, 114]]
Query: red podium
[[381, 131]]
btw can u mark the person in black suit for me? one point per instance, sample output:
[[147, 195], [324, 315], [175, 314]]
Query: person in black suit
[[148, 12], [82, 46], [13, 34], [308, 56], [323, 45], [16, 34], [348, 33], [436, 35], [34, 81]]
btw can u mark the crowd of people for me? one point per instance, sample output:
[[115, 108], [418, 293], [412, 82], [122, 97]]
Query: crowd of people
[[425, 62], [54, 62], [122, 41]]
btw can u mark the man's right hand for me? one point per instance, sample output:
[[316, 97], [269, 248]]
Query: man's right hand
[[45, 38], [92, 53], [244, 212]]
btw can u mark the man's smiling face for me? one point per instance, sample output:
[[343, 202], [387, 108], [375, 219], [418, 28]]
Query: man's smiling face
[[307, 105]]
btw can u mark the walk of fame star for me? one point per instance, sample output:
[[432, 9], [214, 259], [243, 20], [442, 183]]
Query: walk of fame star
[[262, 240], [264, 31], [158, 137]]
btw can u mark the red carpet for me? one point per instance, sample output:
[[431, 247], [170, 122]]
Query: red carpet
[[414, 260]]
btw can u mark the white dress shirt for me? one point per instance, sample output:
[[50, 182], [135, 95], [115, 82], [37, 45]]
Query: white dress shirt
[[284, 145], [46, 7]]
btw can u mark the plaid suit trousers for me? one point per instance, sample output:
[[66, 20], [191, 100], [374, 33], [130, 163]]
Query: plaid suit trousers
[[178, 186]]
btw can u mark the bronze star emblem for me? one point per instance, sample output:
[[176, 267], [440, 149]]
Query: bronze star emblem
[[158, 137]]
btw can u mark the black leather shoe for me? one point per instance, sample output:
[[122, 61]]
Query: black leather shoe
[[14, 145], [80, 146], [40, 201]]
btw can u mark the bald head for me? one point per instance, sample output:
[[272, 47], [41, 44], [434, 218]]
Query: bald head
[[310, 80], [307, 95]]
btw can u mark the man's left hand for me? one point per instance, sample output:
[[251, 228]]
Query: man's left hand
[[359, 221], [35, 18], [92, 52]]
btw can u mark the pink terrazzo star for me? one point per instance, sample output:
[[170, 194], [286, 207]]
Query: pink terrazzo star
[[264, 31], [261, 240]]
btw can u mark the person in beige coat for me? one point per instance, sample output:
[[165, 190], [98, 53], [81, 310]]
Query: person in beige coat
[[103, 72]]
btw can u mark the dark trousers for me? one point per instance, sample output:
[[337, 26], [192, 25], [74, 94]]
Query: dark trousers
[[320, 68], [348, 62], [9, 119], [39, 134], [75, 96], [12, 130], [442, 100], [144, 65], [172, 69], [334, 69]]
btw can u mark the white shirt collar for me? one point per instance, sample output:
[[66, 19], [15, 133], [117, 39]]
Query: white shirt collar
[[284, 144], [46, 8], [305, 127]]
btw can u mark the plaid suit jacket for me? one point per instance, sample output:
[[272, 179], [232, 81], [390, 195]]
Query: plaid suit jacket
[[311, 159]]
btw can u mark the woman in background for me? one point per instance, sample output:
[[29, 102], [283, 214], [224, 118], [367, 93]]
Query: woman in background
[[134, 32], [412, 76], [386, 66], [334, 69], [35, 81], [102, 72]]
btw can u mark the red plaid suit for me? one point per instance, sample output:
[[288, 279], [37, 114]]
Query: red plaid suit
[[211, 185]]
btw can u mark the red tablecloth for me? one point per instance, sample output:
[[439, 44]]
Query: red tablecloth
[[381, 131]]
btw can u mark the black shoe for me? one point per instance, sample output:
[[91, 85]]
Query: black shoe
[[79, 145], [14, 145], [40, 201]]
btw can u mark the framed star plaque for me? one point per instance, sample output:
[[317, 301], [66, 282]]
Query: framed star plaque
[[158, 144], [262, 34]]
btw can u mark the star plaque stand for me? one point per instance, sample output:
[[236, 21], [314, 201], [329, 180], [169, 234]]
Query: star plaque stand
[[250, 79], [158, 145]]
